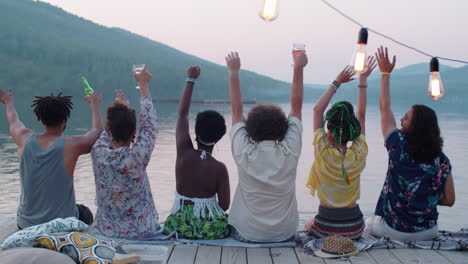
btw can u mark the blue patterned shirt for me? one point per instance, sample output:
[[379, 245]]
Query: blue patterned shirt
[[411, 192]]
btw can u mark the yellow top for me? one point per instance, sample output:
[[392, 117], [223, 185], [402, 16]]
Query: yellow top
[[326, 178]]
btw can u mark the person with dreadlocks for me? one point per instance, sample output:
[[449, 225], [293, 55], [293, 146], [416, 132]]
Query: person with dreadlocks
[[125, 205], [419, 175], [266, 148], [48, 159], [200, 178], [336, 170]]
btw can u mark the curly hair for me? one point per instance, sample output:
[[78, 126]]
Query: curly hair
[[423, 134], [342, 122], [52, 110], [210, 127], [266, 122], [121, 122]]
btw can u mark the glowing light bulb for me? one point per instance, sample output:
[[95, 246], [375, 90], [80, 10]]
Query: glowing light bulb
[[269, 11], [359, 59], [436, 87]]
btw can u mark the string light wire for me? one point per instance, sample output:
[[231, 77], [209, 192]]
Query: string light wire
[[387, 37]]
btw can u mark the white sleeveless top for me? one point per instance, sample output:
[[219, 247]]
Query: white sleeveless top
[[200, 206]]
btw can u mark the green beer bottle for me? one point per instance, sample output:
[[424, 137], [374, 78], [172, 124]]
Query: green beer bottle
[[87, 89]]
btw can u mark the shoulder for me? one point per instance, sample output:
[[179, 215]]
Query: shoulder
[[395, 137]]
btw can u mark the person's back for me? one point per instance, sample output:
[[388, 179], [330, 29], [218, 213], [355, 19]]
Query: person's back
[[125, 205], [419, 175], [266, 149], [200, 178], [43, 178], [48, 159]]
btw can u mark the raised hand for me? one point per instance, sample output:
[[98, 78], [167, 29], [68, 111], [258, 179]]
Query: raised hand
[[233, 62], [382, 59], [6, 97], [143, 77], [193, 72], [371, 64], [120, 98], [346, 75], [94, 99], [300, 60]]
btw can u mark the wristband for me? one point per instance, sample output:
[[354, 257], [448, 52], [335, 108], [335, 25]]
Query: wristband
[[336, 83], [385, 73], [191, 80]]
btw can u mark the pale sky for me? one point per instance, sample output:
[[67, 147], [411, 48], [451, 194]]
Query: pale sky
[[211, 28]]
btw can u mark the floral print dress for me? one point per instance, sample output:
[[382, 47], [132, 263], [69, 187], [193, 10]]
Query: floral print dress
[[125, 206], [411, 192]]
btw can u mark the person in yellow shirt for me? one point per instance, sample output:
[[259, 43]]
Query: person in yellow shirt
[[336, 170]]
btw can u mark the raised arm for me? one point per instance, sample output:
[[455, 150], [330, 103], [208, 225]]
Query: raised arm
[[233, 65], [297, 87], [18, 131], [183, 140], [143, 79], [345, 76], [83, 144], [362, 96], [387, 119]]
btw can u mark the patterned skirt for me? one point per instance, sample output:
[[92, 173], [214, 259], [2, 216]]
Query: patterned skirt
[[347, 222], [188, 226]]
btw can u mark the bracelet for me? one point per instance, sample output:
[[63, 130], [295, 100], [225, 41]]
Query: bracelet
[[191, 80], [362, 85], [385, 73], [336, 83]]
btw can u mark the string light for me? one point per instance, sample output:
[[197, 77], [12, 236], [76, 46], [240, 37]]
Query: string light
[[269, 11], [359, 58], [436, 87]]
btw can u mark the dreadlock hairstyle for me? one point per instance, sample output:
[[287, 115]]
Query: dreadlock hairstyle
[[424, 140], [342, 122], [344, 126], [52, 110]]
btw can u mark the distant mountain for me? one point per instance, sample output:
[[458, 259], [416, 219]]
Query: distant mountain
[[45, 49]]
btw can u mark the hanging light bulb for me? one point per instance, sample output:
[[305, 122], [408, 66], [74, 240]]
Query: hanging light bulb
[[269, 11], [436, 87], [359, 59]]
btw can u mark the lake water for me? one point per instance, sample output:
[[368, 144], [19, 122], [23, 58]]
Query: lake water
[[161, 168]]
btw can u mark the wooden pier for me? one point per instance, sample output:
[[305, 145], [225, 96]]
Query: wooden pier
[[183, 254]]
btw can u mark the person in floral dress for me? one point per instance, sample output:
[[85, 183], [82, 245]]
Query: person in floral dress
[[419, 175], [125, 206]]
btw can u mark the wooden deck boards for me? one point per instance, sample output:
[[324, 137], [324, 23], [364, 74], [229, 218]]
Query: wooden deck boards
[[183, 254]]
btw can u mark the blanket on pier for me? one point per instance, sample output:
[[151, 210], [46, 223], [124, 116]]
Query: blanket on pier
[[445, 240]]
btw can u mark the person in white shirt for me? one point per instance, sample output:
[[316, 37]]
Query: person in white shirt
[[266, 148]]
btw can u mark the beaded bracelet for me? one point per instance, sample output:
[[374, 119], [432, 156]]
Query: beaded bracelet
[[191, 80], [385, 73]]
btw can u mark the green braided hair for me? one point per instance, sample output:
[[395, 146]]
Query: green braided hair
[[342, 122]]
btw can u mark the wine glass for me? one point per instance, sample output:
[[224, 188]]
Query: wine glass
[[138, 68], [298, 47]]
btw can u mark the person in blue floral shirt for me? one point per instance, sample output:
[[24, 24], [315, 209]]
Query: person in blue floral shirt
[[419, 175]]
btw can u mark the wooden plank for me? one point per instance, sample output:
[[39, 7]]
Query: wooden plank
[[258, 256], [233, 255], [283, 256], [383, 256], [336, 261], [8, 227], [183, 254], [456, 257], [208, 255], [363, 258], [309, 259], [407, 256]]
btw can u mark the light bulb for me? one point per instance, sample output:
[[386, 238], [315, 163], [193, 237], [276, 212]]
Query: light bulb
[[359, 59], [436, 87], [269, 11]]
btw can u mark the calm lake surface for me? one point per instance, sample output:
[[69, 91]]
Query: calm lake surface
[[454, 128]]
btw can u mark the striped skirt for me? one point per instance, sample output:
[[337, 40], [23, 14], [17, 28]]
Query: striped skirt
[[347, 222]]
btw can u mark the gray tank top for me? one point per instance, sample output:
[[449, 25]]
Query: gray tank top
[[46, 189]]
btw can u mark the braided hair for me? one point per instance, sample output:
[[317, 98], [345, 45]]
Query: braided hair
[[52, 110], [342, 122]]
